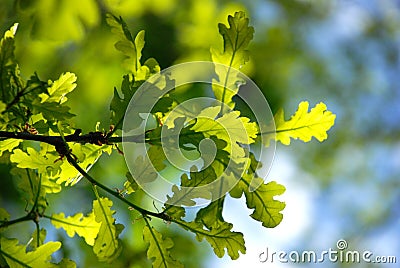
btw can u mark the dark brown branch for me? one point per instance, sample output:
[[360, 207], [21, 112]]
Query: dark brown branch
[[97, 138]]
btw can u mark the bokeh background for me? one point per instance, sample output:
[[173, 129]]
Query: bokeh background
[[342, 52]]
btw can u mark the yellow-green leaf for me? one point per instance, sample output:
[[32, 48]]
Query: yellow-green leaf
[[234, 55], [33, 160], [145, 168], [4, 216], [304, 124], [84, 226], [132, 49], [3, 106], [17, 257], [191, 187], [266, 209], [107, 246], [220, 237], [27, 182], [230, 127], [59, 89], [7, 47], [8, 145], [8, 66], [159, 248], [11, 32], [130, 184]]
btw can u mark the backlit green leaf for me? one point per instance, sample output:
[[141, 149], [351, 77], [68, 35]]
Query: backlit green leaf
[[107, 246], [27, 182], [4, 216], [132, 49], [58, 89], [159, 248], [146, 167], [8, 65], [230, 127], [119, 103], [220, 237], [33, 160], [266, 209], [130, 184], [303, 124], [234, 55], [3, 106], [210, 225], [8, 145], [51, 111], [16, 255], [84, 226], [191, 187]]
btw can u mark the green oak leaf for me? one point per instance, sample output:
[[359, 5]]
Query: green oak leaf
[[84, 226], [175, 212], [130, 184], [8, 64], [120, 102], [27, 182], [149, 96], [4, 217], [7, 46], [191, 187], [234, 55], [16, 255], [3, 106], [8, 145], [57, 90], [210, 225], [266, 209], [219, 236], [230, 127], [146, 167], [32, 159], [132, 49], [107, 246], [303, 125], [159, 248], [51, 111], [211, 215]]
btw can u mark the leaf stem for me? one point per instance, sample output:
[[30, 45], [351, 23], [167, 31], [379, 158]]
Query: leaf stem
[[22, 219]]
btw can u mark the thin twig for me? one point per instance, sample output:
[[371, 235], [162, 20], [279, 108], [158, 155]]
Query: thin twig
[[143, 211]]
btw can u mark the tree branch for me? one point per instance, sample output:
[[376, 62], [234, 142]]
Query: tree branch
[[22, 219], [97, 138]]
